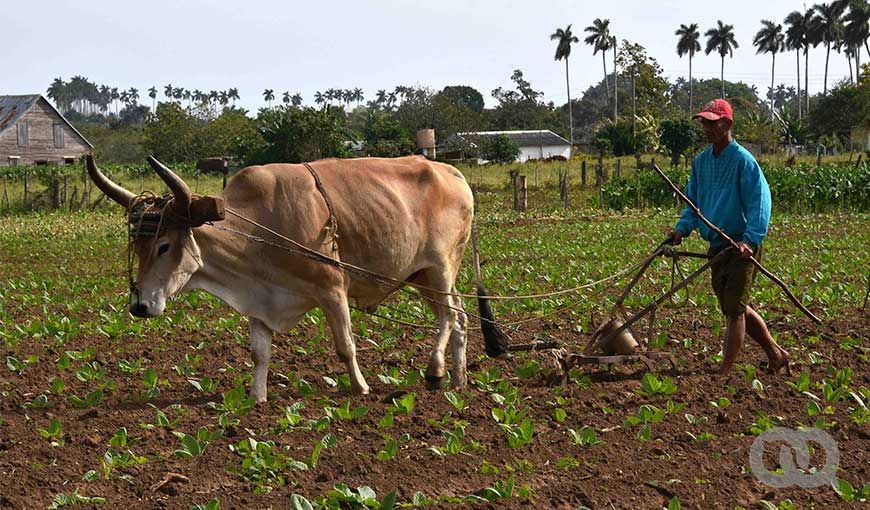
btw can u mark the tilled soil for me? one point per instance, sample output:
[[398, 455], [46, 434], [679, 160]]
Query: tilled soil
[[620, 472]]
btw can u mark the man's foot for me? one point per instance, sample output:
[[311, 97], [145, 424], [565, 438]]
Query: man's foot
[[783, 359]]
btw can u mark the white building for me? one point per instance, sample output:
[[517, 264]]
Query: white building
[[535, 144]]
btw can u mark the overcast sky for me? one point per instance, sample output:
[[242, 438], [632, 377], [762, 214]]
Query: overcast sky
[[315, 45]]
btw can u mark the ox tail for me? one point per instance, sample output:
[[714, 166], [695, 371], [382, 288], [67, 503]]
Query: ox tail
[[495, 340]]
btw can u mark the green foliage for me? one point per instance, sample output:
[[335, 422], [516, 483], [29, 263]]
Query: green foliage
[[262, 464], [75, 499], [194, 445], [586, 436], [844, 108], [499, 149], [172, 134], [651, 385], [678, 136], [848, 493], [385, 137], [294, 135], [802, 188]]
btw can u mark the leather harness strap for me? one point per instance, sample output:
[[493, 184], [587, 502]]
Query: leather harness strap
[[332, 226]]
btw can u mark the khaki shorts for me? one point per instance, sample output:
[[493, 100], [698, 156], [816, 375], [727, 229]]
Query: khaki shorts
[[732, 279]]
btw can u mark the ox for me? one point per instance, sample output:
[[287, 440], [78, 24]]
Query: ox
[[407, 218]]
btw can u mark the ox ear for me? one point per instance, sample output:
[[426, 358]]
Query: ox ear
[[205, 209], [112, 190]]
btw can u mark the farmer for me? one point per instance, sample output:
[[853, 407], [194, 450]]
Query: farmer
[[729, 188]]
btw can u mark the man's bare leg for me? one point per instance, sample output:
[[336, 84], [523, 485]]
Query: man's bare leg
[[735, 330], [757, 330]]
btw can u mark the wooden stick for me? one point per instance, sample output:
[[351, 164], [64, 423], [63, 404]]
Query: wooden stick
[[757, 264]]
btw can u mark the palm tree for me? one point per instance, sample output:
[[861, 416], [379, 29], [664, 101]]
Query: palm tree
[[319, 98], [268, 96], [721, 39], [857, 30], [133, 94], [285, 97], [233, 94], [296, 99], [615, 79], [796, 39], [829, 30], [152, 93], [599, 39], [115, 96], [770, 39], [167, 91], [563, 51], [358, 95], [688, 44]]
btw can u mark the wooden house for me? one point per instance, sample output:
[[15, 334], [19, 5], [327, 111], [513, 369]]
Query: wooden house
[[33, 132]]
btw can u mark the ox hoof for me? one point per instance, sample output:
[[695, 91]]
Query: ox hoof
[[359, 390], [434, 382]]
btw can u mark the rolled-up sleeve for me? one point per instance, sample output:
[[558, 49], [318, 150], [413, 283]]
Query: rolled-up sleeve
[[755, 198]]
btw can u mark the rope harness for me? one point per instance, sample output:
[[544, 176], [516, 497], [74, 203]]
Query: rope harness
[[148, 215]]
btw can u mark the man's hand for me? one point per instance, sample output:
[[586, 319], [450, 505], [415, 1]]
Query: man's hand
[[677, 237], [746, 250]]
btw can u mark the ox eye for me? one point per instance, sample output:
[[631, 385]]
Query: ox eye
[[163, 249]]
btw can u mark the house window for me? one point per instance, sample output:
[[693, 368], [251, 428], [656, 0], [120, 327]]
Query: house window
[[13, 160], [22, 134], [69, 160], [58, 136]]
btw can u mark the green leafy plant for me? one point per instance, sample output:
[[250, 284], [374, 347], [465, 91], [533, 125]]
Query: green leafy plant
[[586, 436], [651, 385], [195, 445], [53, 432], [850, 494], [75, 499]]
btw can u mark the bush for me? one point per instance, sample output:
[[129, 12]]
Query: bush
[[500, 149], [678, 136]]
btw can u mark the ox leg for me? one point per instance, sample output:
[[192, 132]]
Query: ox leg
[[338, 317], [261, 351], [458, 341], [441, 305]]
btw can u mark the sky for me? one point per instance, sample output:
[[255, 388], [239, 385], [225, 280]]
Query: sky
[[376, 44]]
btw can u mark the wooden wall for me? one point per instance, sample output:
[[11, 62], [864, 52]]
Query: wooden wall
[[40, 138]]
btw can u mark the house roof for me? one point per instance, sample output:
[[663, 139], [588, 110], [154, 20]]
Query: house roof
[[531, 138], [13, 107]]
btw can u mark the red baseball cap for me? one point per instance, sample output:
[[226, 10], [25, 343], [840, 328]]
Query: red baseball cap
[[715, 110]]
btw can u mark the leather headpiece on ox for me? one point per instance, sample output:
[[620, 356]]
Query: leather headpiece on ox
[[148, 214]]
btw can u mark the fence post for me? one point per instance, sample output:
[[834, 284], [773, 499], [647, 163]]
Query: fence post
[[563, 187], [523, 193], [583, 174], [65, 184], [73, 197], [513, 174], [5, 201], [54, 190]]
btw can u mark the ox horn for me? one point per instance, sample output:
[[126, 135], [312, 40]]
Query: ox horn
[[178, 187], [112, 190]]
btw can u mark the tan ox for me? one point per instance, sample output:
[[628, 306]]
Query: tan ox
[[405, 218]]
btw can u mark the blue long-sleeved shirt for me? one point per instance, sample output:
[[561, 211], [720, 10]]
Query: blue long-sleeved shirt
[[731, 192]]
